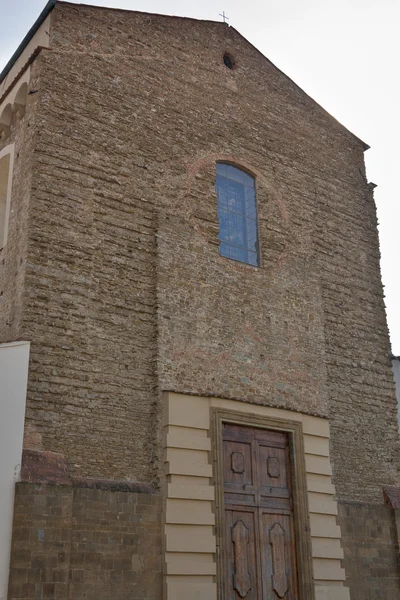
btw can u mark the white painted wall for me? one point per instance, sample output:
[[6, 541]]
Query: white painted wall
[[14, 360]]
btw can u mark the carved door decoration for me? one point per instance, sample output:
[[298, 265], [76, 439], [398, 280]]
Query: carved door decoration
[[240, 537], [259, 532]]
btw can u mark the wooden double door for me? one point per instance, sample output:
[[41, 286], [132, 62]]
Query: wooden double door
[[259, 530]]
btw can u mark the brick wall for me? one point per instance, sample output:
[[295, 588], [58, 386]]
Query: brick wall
[[73, 542], [370, 550]]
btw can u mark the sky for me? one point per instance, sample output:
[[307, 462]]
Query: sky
[[343, 53]]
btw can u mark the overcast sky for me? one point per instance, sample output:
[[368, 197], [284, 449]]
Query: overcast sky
[[343, 53]]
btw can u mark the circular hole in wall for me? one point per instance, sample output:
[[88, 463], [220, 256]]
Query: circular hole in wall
[[229, 61]]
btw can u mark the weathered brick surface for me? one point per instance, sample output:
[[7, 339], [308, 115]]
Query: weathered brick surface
[[370, 550], [125, 294], [72, 543]]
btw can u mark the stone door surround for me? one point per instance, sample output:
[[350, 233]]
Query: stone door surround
[[192, 509]]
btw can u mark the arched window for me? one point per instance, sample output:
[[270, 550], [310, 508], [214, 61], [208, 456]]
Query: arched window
[[237, 214], [6, 168]]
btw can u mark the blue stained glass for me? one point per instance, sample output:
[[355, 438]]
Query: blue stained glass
[[223, 224], [250, 203], [221, 169], [241, 230], [238, 253], [252, 258], [237, 214], [232, 228], [224, 250], [248, 180], [234, 174], [252, 236], [235, 196], [221, 190]]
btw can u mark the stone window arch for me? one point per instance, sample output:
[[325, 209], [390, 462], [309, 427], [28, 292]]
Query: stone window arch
[[6, 169], [20, 100], [5, 120], [13, 107]]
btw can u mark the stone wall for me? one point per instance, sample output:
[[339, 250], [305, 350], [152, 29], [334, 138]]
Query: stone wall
[[73, 542], [90, 304], [13, 257], [363, 415], [136, 299], [112, 268]]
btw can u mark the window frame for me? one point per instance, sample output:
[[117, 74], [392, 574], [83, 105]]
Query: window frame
[[246, 219]]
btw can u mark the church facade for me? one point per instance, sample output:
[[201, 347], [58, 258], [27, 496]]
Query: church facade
[[197, 397]]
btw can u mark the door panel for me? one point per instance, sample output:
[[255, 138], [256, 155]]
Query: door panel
[[277, 564], [273, 473], [259, 534], [241, 560], [239, 476], [238, 470]]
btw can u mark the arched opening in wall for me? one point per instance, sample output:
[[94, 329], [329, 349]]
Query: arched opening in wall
[[237, 214], [20, 100], [5, 195], [5, 119]]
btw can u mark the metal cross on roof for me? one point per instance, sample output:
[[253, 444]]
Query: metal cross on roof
[[225, 18]]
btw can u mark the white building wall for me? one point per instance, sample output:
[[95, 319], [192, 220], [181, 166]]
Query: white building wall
[[14, 360]]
